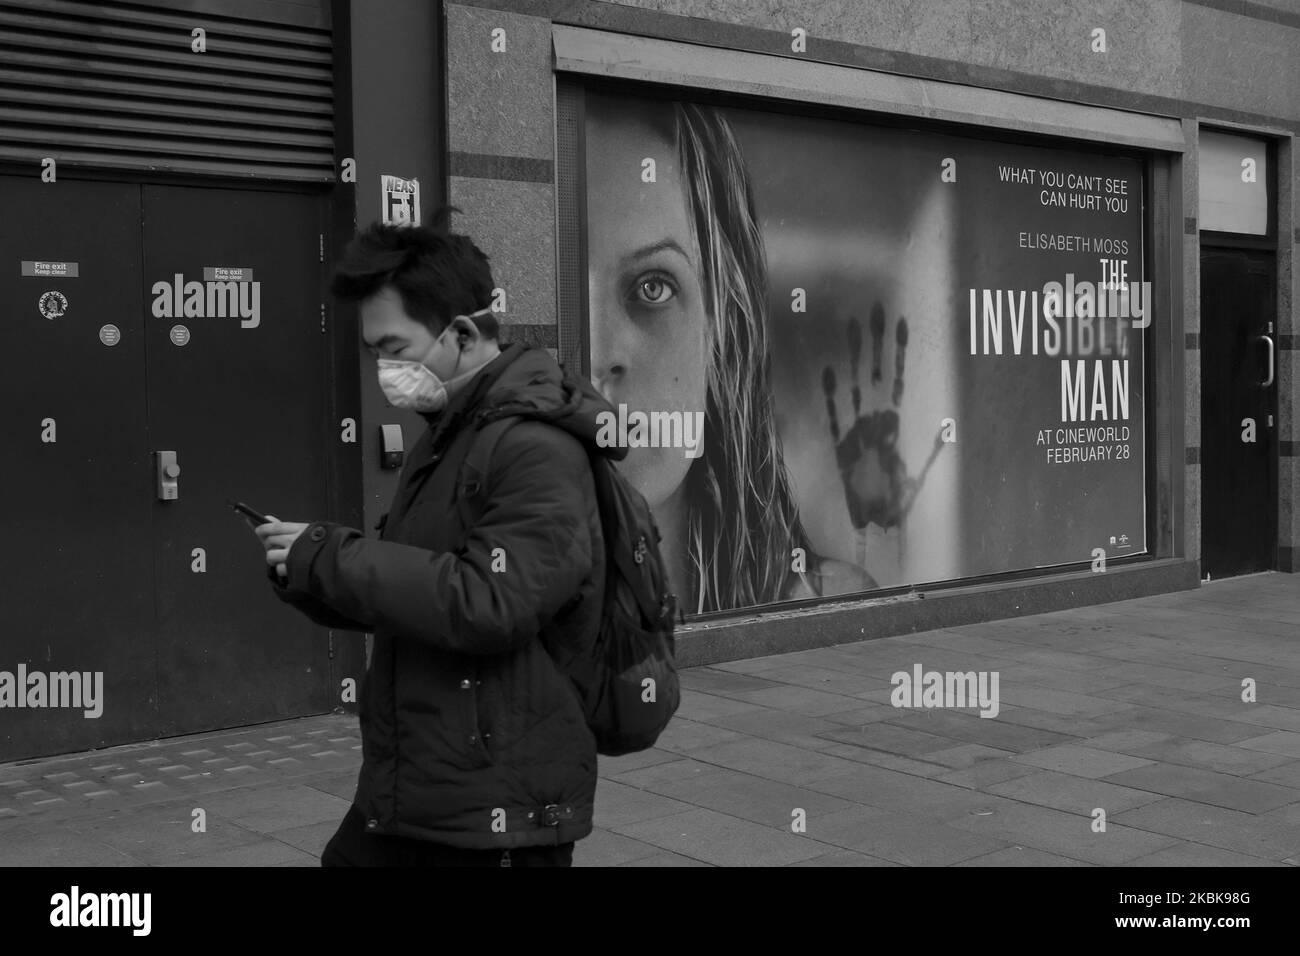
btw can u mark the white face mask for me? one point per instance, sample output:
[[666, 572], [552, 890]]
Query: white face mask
[[413, 385]]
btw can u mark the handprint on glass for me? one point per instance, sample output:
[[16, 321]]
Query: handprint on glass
[[877, 487]]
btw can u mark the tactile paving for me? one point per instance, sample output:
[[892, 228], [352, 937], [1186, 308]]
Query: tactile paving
[[137, 774]]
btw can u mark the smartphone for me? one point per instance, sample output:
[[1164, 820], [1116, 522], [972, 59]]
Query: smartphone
[[254, 518]]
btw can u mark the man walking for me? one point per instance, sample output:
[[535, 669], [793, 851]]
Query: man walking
[[475, 747]]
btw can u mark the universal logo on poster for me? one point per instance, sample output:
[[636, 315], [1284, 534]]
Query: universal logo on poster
[[81, 691], [223, 293]]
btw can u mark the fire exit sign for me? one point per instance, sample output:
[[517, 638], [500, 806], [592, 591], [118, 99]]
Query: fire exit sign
[[60, 270]]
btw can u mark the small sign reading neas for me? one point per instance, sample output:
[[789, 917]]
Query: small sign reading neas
[[400, 203]]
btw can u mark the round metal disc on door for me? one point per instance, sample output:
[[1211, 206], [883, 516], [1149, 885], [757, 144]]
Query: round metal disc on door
[[53, 304]]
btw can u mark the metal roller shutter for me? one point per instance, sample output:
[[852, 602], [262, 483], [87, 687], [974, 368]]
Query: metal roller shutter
[[116, 86]]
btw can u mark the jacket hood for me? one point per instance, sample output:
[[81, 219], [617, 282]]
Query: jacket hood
[[526, 381]]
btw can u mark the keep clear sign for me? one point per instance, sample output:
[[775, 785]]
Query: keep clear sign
[[400, 201], [54, 270]]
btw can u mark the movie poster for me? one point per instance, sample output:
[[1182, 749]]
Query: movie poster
[[849, 357]]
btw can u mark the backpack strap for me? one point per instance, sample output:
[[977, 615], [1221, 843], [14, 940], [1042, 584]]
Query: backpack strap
[[471, 483], [617, 560], [471, 497]]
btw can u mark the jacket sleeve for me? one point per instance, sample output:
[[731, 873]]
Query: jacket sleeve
[[318, 612], [526, 557]]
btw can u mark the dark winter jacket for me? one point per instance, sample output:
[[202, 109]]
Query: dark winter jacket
[[471, 735]]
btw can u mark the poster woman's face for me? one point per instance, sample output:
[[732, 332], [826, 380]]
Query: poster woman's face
[[648, 319]]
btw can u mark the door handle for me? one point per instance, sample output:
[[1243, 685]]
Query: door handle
[[1268, 340], [168, 473]]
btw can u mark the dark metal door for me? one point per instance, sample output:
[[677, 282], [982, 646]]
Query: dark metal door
[[236, 388], [76, 575], [163, 601], [1238, 412]]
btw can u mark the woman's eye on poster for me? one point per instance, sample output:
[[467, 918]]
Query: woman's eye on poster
[[654, 290]]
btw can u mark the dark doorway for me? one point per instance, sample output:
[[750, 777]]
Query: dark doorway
[[242, 406], [1238, 412], [76, 572], [167, 598]]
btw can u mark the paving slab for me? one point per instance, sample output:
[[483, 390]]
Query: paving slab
[[1068, 726], [60, 847], [675, 777], [986, 773], [1235, 759], [1063, 834], [1282, 742], [798, 730], [966, 755], [160, 836], [1062, 702], [1063, 791], [310, 838], [888, 789], [879, 758], [342, 785], [764, 801], [604, 848], [1186, 854], [863, 715], [683, 736], [1287, 775], [706, 708], [613, 766], [1022, 856], [711, 680], [802, 700], [1080, 761], [891, 738], [262, 853], [972, 728], [1211, 729], [665, 859], [904, 838], [724, 840], [845, 858], [264, 810], [1047, 678], [771, 760], [618, 804], [824, 678], [1206, 786], [1195, 823]]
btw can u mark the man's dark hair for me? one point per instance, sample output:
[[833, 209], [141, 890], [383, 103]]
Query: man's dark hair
[[437, 273]]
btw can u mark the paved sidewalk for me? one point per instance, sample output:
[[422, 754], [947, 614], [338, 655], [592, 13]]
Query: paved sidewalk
[[1132, 708]]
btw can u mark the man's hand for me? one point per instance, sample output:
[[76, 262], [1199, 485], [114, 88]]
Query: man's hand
[[278, 537]]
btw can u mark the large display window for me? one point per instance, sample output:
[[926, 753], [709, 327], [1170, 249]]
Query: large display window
[[851, 357]]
